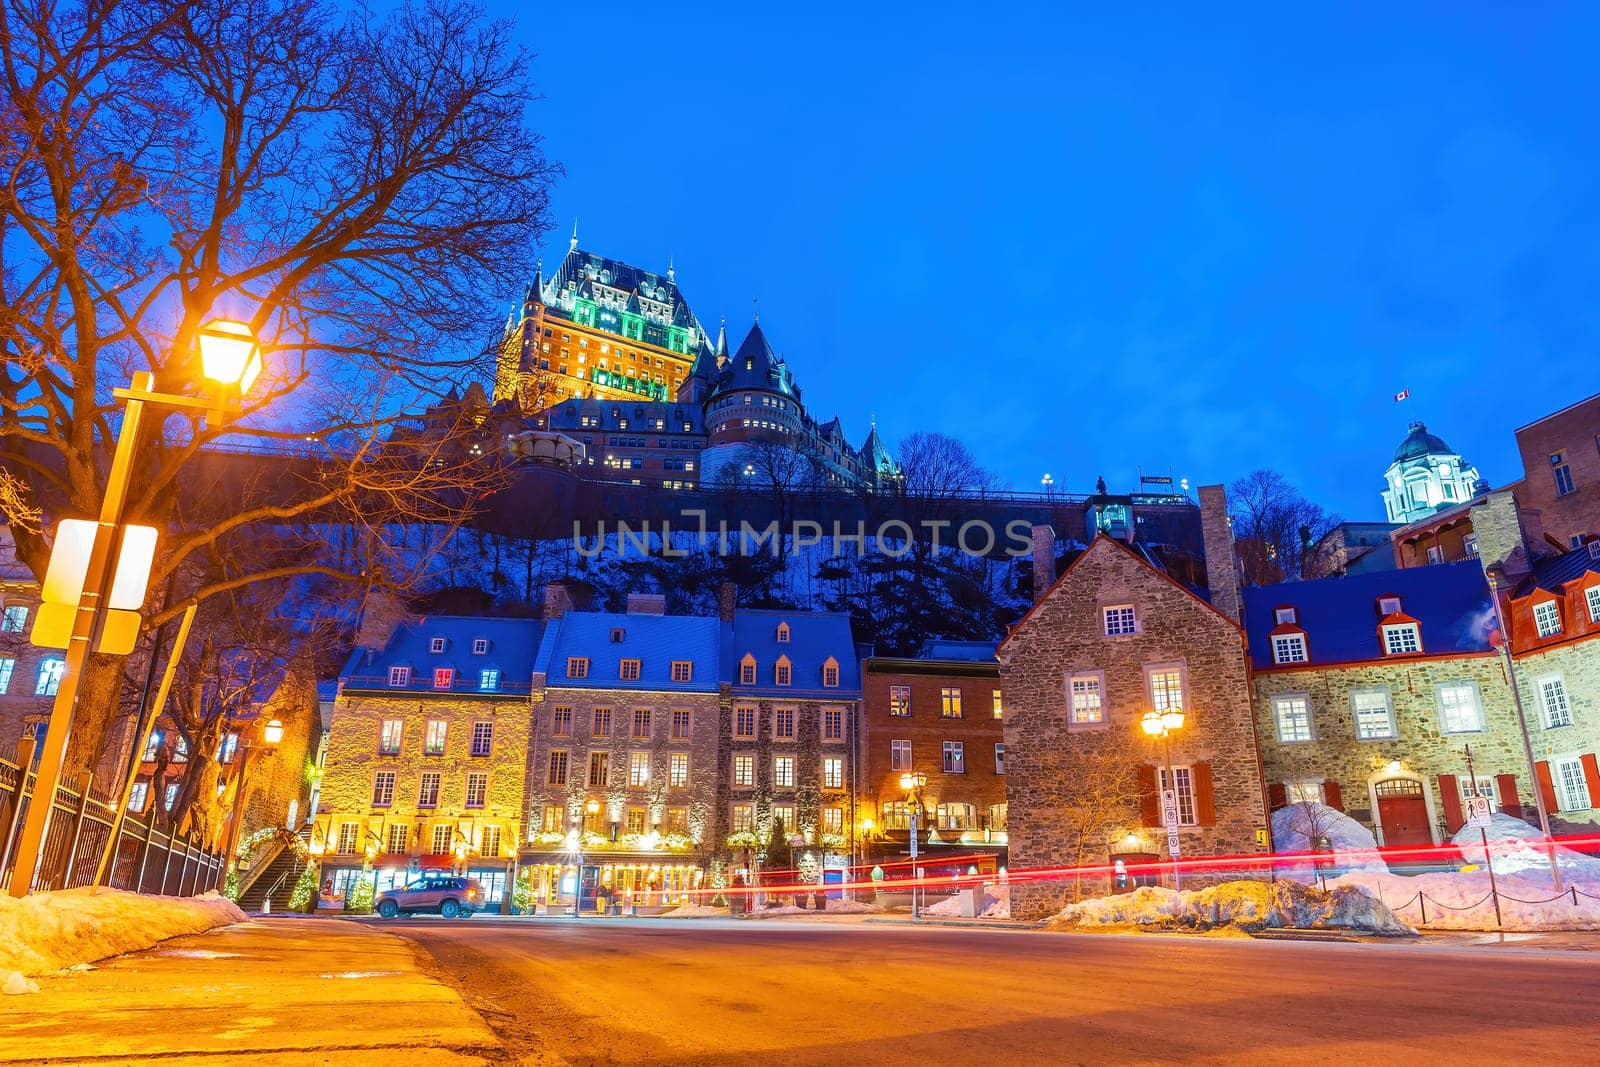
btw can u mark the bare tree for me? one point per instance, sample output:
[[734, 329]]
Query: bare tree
[[1274, 527], [354, 185], [1103, 767]]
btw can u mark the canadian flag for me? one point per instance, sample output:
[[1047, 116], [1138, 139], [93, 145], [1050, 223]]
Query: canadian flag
[[1401, 395]]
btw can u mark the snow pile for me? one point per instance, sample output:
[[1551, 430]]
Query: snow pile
[[852, 907], [45, 932], [1354, 847], [696, 911], [1513, 850], [1242, 905], [996, 904], [1460, 900]]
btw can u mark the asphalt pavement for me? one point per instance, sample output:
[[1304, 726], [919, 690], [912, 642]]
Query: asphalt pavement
[[709, 991]]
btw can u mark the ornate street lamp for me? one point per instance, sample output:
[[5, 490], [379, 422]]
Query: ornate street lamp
[[913, 783], [1164, 724]]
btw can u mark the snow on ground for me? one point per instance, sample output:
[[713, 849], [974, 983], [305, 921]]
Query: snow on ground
[[852, 907], [1512, 849], [1354, 846], [996, 904], [1242, 905], [46, 932], [1460, 900], [695, 911]]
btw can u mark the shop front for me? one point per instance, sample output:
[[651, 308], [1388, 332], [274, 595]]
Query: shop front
[[622, 884]]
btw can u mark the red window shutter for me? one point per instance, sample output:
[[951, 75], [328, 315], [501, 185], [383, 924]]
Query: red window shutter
[[1333, 796], [1277, 795], [1591, 776], [1505, 785], [1452, 802], [1205, 808], [1149, 797], [1547, 786]]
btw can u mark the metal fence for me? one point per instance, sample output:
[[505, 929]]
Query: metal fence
[[147, 858]]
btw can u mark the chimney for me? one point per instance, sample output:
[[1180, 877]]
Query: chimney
[[381, 616], [1504, 531], [1222, 567], [557, 600], [725, 600], [1044, 560], [647, 604]]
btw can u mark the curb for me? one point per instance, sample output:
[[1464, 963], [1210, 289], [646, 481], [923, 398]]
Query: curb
[[959, 924]]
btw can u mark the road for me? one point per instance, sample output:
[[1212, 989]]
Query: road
[[736, 992]]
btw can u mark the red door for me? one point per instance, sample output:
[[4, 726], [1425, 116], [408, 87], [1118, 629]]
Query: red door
[[1403, 813]]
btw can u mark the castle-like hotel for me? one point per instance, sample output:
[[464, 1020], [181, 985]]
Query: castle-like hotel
[[612, 356]]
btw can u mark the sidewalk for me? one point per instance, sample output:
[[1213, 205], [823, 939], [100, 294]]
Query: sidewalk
[[263, 992]]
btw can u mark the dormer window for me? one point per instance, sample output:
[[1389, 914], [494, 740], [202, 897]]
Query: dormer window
[[830, 673], [480, 646], [436, 645], [628, 670], [1284, 616], [1547, 618], [782, 671], [783, 633], [444, 677], [1402, 638], [747, 671], [577, 666], [617, 635], [399, 677], [1289, 648], [1388, 605], [1593, 596]]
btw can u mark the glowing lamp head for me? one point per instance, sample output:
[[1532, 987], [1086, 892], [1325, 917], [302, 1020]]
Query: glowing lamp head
[[1172, 719], [1151, 723], [272, 733], [592, 807], [229, 354], [867, 824]]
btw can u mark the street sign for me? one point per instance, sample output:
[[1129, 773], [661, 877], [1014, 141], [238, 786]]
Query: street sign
[[1169, 810], [1479, 811], [1172, 843]]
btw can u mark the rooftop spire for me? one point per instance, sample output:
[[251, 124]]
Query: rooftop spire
[[722, 339], [672, 273], [574, 244]]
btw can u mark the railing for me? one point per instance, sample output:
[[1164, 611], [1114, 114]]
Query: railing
[[145, 858]]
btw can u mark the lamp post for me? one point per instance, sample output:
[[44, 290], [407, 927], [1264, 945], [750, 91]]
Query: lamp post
[[1049, 484], [913, 783], [592, 808], [1164, 724], [271, 736], [96, 578], [1495, 577]]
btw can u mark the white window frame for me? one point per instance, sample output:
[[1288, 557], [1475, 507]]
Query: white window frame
[[1283, 645], [442, 726], [1388, 707], [953, 757], [900, 754], [480, 646], [833, 772], [1559, 708], [1119, 620], [1188, 810], [1394, 639], [384, 748], [1305, 791], [783, 772], [1439, 689], [399, 677], [1099, 692], [8, 664], [1592, 595], [1547, 618], [488, 680], [1151, 670], [678, 770], [638, 769], [444, 677], [899, 708], [1000, 757], [425, 799], [1282, 700], [1570, 787], [383, 789], [744, 770], [436, 645], [480, 779], [1283, 616], [1389, 605]]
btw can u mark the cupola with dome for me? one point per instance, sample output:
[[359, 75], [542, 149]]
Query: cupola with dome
[[1426, 476]]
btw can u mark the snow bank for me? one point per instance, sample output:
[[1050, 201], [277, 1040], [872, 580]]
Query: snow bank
[[852, 907], [696, 911], [45, 932], [1460, 900], [996, 904], [1243, 905], [1512, 849], [1354, 847]]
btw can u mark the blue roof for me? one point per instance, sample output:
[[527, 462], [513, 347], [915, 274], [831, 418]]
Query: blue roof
[[943, 648], [814, 636], [1340, 615], [512, 646], [656, 641], [1552, 572]]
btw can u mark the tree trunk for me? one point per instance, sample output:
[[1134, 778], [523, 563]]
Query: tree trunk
[[99, 706]]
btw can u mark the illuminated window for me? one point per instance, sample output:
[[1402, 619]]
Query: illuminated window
[[1593, 595], [633, 820], [1572, 789], [677, 821], [950, 702], [347, 839], [783, 772], [833, 820], [489, 842], [428, 790], [999, 707], [743, 818], [1373, 714], [1460, 710], [434, 737], [383, 789], [399, 677], [833, 772], [477, 789], [488, 680], [900, 755], [957, 817], [638, 768], [152, 747], [899, 701], [1292, 714], [997, 816], [783, 816], [1087, 698], [1289, 648], [744, 770], [14, 620], [443, 677], [895, 815], [442, 837], [51, 668], [1166, 688], [554, 820], [1547, 618], [7, 665], [678, 770], [1119, 620]]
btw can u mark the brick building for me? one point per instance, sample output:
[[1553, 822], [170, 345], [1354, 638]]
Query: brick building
[[426, 754], [1561, 471], [621, 784], [1113, 638], [940, 714]]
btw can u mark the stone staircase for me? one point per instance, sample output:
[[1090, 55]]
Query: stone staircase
[[276, 880]]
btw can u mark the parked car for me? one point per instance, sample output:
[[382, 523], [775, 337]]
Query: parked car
[[450, 896]]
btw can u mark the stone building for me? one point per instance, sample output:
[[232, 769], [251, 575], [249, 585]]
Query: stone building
[[621, 780], [789, 735], [427, 753], [938, 713], [1112, 639]]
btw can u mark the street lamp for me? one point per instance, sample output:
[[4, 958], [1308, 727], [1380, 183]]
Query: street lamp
[[95, 587], [1495, 576], [913, 782], [1049, 484], [271, 736], [1164, 724]]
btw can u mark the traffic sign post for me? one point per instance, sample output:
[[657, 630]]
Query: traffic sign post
[[1169, 817]]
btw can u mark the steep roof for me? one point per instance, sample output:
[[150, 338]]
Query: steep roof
[[656, 641], [755, 366], [875, 454], [814, 636], [1553, 572], [951, 649], [512, 647], [655, 296], [1340, 616]]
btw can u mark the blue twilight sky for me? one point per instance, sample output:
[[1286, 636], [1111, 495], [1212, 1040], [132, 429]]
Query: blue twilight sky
[[1205, 239]]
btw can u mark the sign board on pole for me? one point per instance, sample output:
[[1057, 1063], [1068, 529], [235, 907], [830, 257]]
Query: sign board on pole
[[1479, 811], [1169, 810], [1172, 843]]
